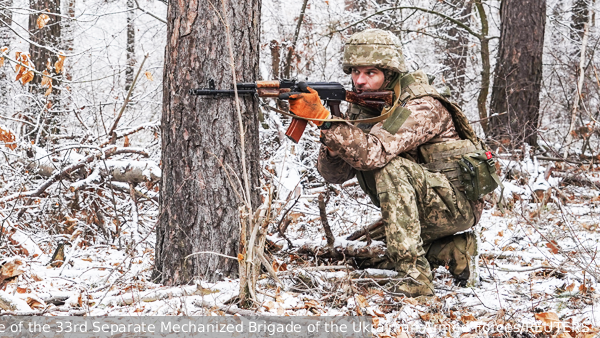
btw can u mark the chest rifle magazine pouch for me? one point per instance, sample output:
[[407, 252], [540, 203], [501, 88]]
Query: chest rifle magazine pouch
[[478, 174]]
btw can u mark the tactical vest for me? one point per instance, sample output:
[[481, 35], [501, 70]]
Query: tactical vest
[[438, 157]]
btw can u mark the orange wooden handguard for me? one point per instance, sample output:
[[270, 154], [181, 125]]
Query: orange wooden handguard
[[296, 129]]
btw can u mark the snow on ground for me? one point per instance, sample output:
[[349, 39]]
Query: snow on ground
[[537, 262]]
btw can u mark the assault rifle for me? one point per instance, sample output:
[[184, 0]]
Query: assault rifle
[[330, 92]]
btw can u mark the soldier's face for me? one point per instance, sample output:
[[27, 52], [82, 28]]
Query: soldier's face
[[367, 78]]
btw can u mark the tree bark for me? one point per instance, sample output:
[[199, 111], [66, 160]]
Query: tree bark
[[5, 40], [201, 158], [130, 45], [43, 56], [457, 48], [48, 37], [518, 74]]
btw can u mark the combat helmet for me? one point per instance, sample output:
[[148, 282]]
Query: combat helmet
[[374, 47]]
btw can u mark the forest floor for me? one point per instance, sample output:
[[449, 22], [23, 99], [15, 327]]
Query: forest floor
[[537, 261]]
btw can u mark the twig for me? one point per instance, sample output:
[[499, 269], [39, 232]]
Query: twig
[[127, 98], [149, 13]]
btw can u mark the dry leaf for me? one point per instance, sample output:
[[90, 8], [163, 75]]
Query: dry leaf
[[36, 277], [21, 290], [8, 137], [240, 257], [42, 20], [46, 81], [553, 246], [126, 141], [467, 318], [35, 303], [27, 77], [425, 316], [362, 301], [58, 66], [269, 305], [149, 76], [3, 50], [310, 304], [48, 91], [375, 321], [547, 317], [571, 287]]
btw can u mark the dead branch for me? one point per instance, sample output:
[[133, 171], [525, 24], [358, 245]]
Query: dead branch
[[347, 249], [60, 175], [323, 213], [368, 229]]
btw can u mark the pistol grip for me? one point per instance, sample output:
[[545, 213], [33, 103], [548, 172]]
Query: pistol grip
[[296, 129]]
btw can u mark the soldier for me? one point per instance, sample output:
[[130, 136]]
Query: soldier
[[406, 163]]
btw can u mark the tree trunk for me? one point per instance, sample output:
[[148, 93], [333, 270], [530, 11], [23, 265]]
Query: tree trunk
[[518, 74], [457, 48], [44, 54], [579, 17], [201, 156], [5, 40], [47, 38], [130, 45]]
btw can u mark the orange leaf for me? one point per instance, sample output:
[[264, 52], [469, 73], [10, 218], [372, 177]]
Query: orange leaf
[[553, 246], [126, 141], [362, 301], [27, 77], [48, 91], [240, 257], [547, 317], [46, 81], [467, 318], [7, 136], [570, 287], [60, 63], [42, 20], [149, 76]]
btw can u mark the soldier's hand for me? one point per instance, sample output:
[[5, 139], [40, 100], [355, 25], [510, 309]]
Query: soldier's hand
[[307, 105]]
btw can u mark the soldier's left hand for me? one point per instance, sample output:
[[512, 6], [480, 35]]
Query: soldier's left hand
[[307, 105]]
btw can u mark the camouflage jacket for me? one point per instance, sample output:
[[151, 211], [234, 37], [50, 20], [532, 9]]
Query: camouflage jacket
[[365, 150]]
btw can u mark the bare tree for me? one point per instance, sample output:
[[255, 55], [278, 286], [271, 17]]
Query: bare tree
[[130, 44], [202, 147], [518, 74], [5, 40]]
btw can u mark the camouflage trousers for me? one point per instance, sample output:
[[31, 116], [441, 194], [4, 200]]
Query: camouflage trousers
[[419, 208]]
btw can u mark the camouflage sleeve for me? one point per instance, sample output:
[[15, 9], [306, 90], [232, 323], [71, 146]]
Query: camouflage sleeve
[[428, 119], [333, 168]]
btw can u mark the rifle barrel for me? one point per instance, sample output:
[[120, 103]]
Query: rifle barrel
[[222, 92]]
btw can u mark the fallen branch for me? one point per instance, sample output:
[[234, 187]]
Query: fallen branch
[[368, 229], [57, 176], [342, 250]]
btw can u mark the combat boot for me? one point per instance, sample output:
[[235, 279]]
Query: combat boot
[[458, 253], [415, 282]]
